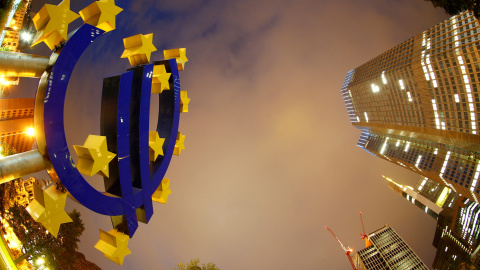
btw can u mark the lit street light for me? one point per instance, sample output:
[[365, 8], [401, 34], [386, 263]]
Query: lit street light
[[30, 132], [26, 36], [40, 261]]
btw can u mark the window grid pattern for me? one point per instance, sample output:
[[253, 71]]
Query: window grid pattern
[[451, 164], [433, 191], [395, 251], [427, 81], [371, 259], [467, 225]]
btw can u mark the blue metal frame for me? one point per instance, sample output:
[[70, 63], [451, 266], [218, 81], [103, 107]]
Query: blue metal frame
[[133, 195]]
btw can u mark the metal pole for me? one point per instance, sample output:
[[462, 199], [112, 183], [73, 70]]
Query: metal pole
[[19, 165], [15, 64]]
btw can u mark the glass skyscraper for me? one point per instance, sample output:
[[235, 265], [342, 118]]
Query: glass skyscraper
[[428, 195], [418, 104], [457, 232], [387, 251]]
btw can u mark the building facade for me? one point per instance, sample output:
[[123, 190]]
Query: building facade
[[418, 104], [388, 251], [16, 118], [427, 195], [11, 40], [457, 232]]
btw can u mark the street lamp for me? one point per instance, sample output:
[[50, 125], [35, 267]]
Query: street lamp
[[31, 131], [3, 81], [40, 261], [26, 36]]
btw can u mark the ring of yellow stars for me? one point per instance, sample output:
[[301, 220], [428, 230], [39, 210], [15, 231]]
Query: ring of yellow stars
[[114, 245], [160, 79], [138, 49], [48, 208], [101, 14], [184, 101], [161, 194], [155, 144], [52, 22], [179, 144], [93, 156], [179, 55]]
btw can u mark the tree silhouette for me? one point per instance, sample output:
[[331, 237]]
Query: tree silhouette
[[194, 264], [457, 6], [57, 253]]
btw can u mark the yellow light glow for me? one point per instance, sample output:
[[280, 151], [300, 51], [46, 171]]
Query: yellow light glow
[[26, 36], [13, 245], [443, 197], [3, 81], [40, 261], [15, 28], [31, 131]]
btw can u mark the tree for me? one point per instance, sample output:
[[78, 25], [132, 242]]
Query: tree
[[194, 264], [455, 7], [59, 253], [6, 150]]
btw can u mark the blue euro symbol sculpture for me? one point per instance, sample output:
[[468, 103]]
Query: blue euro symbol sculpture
[[125, 116]]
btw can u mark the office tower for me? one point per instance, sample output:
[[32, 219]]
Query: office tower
[[16, 118], [457, 232], [428, 195], [387, 251], [457, 236], [11, 36], [418, 104]]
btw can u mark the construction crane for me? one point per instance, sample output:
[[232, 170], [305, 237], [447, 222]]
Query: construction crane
[[364, 236], [347, 250]]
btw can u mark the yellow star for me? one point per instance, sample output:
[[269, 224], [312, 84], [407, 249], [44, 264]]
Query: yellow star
[[138, 49], [179, 144], [48, 208], [184, 100], [161, 194], [114, 245], [156, 145], [93, 156], [52, 22], [179, 54], [160, 79], [101, 14]]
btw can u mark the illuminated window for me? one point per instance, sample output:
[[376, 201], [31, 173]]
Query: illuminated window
[[407, 146], [409, 97], [384, 146], [418, 160], [384, 79]]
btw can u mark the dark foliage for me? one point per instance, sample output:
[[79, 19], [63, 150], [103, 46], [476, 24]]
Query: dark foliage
[[59, 253], [454, 7]]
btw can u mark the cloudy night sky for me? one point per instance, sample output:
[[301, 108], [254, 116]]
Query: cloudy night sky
[[271, 156]]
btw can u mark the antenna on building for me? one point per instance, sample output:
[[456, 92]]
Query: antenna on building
[[364, 236], [347, 250]]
